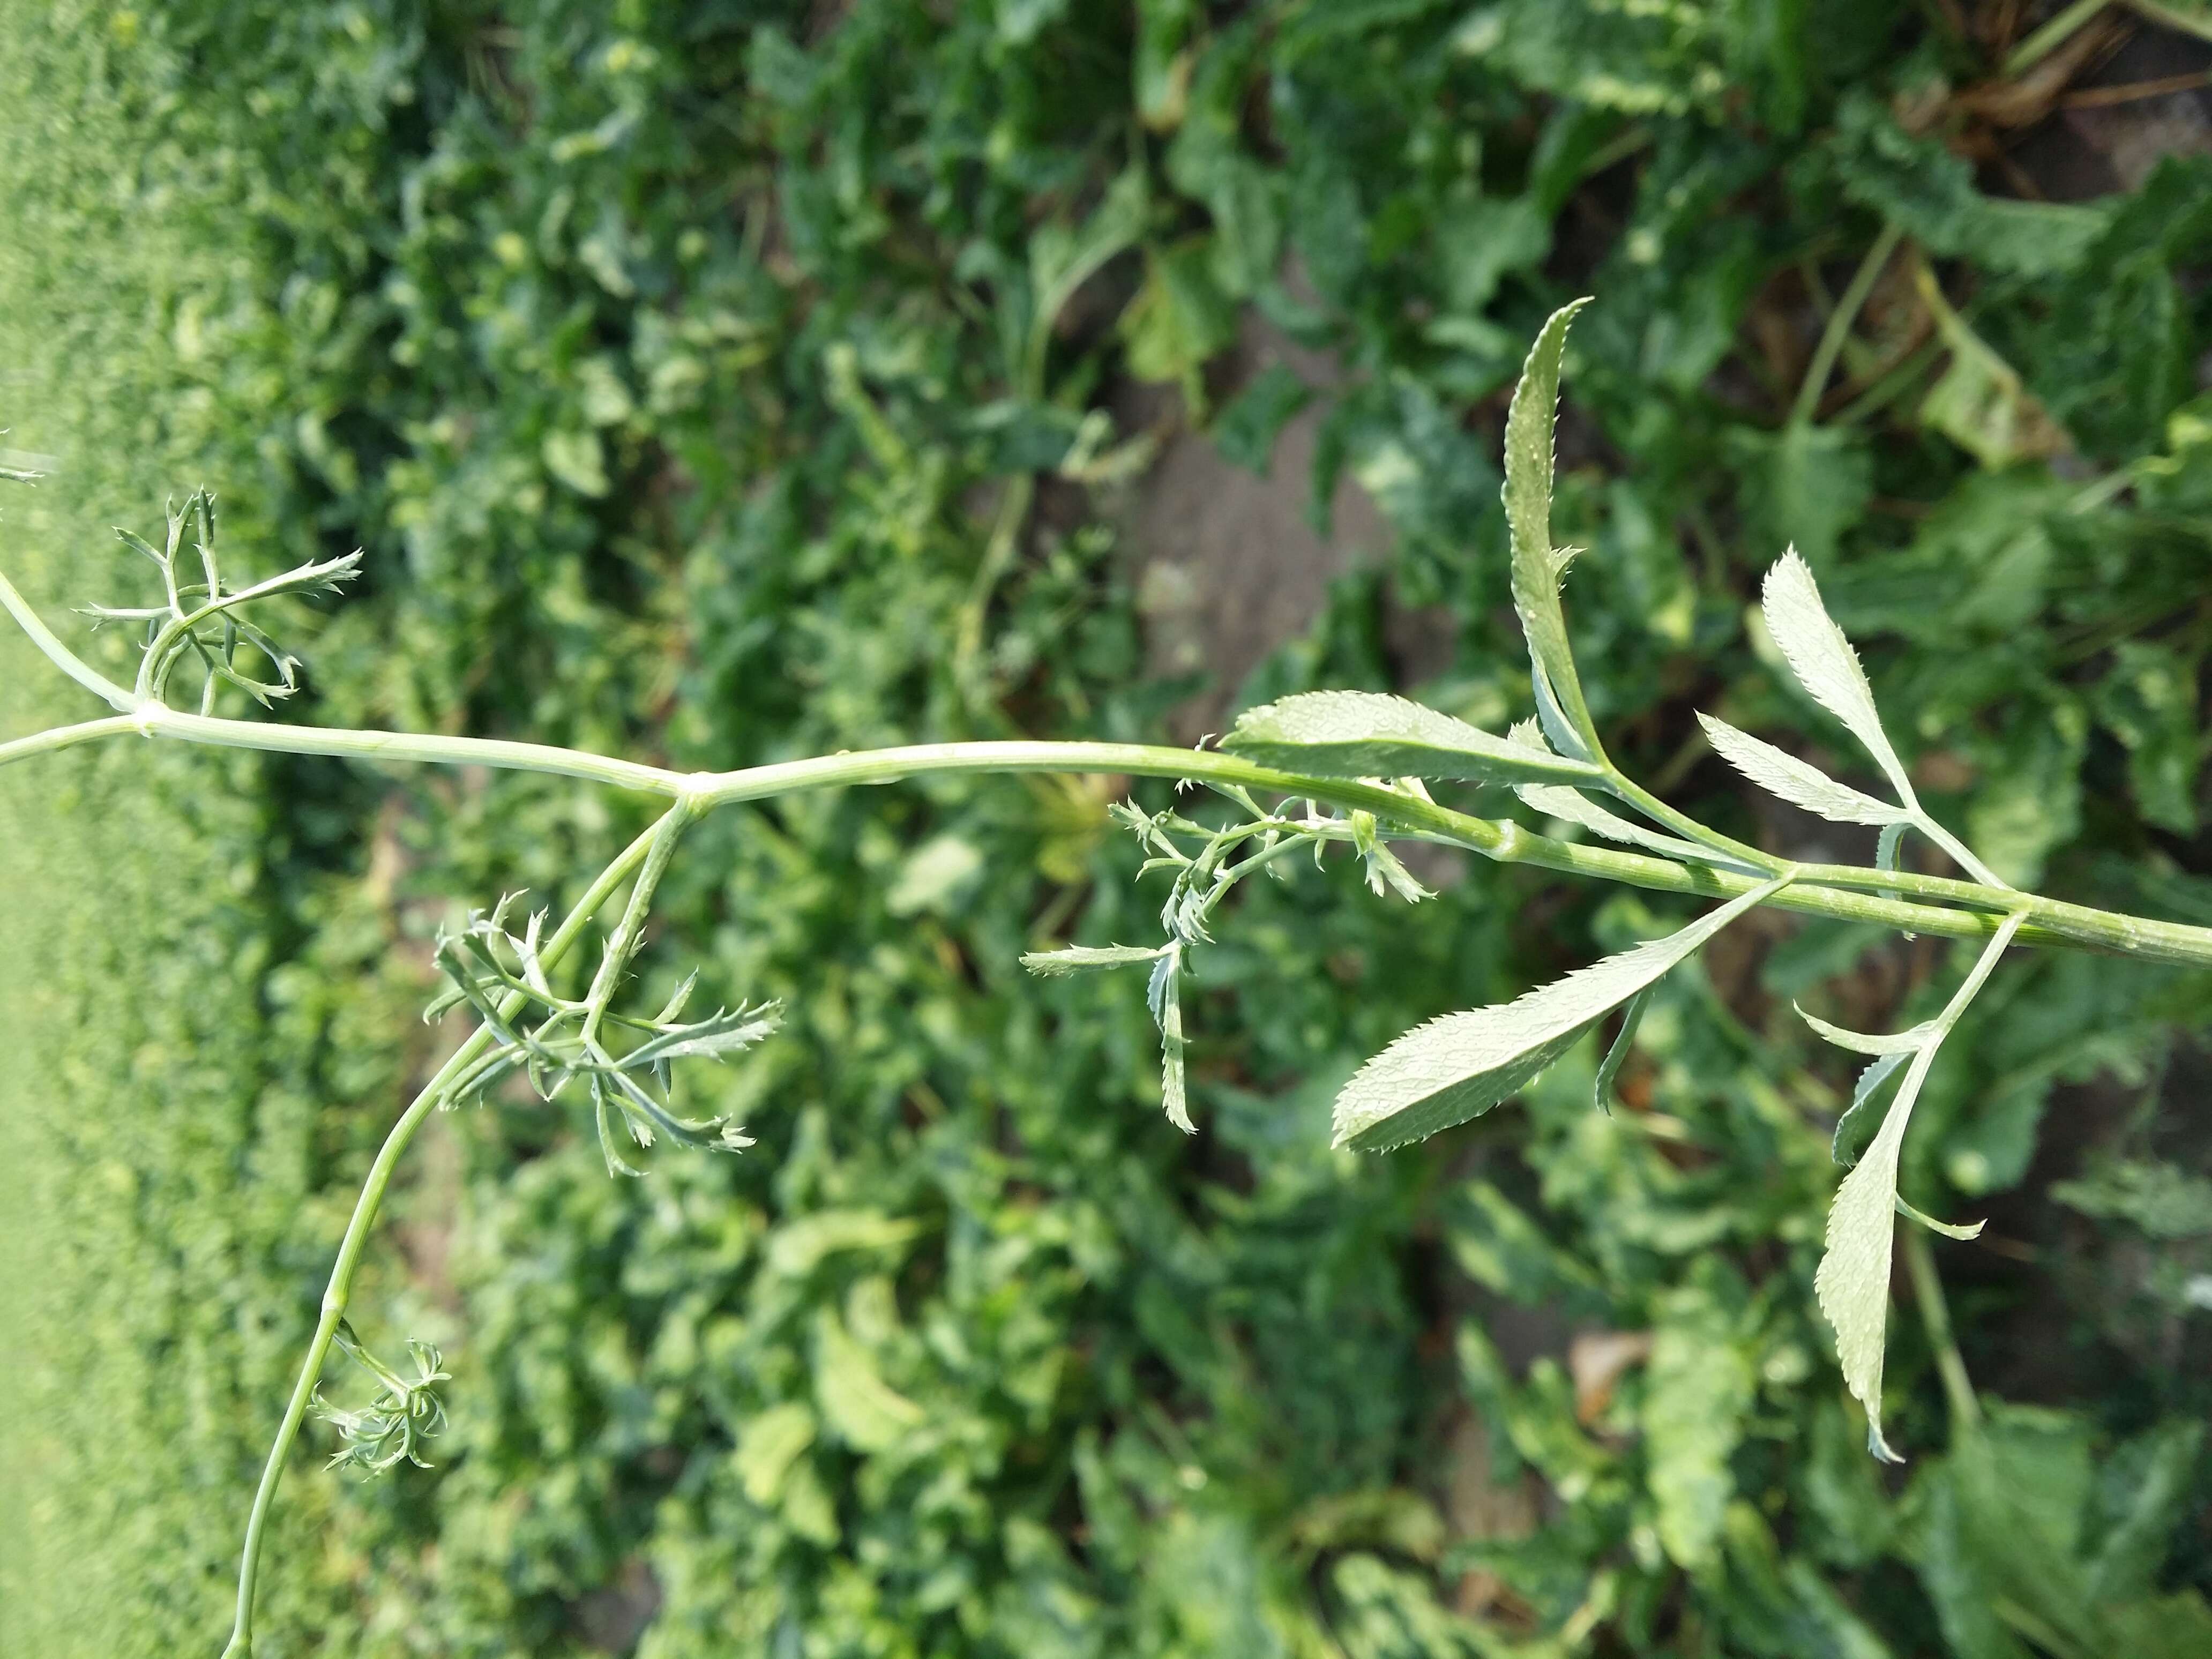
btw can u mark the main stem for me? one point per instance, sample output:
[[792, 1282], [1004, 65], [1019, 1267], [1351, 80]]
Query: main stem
[[1936, 904], [339, 1292]]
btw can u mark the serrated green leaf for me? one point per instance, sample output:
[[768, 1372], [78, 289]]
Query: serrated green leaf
[[1081, 959], [1164, 994], [1527, 495], [1462, 1065], [1799, 782], [1824, 662], [1845, 1146], [1572, 806], [1863, 1043], [1853, 1280], [1949, 1230], [722, 1033], [1616, 1056], [1385, 870], [1367, 734]]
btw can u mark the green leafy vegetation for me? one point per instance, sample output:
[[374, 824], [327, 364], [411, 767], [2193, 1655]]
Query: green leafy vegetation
[[723, 387]]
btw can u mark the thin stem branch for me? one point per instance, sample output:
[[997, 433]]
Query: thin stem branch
[[1683, 824], [1839, 324], [998, 557], [60, 655], [623, 943], [2051, 36], [1958, 849], [67, 737], [278, 737], [339, 1292], [1935, 1317]]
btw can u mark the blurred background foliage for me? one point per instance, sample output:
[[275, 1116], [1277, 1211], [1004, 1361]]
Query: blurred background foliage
[[734, 380]]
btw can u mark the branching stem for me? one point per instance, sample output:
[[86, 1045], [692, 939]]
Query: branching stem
[[339, 1292], [1946, 908]]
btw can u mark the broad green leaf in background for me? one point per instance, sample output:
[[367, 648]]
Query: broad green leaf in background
[[772, 1443], [1246, 429], [1699, 1389], [1918, 185], [1804, 485], [1063, 258], [2028, 1542], [856, 1404], [1179, 319], [2148, 701], [1980, 403]]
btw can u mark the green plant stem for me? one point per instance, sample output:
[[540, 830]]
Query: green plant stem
[[1893, 384], [339, 1292], [66, 737], [157, 721], [1843, 892], [2051, 36], [1683, 824], [61, 656], [1957, 849], [1935, 1317], [623, 944], [1839, 324]]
